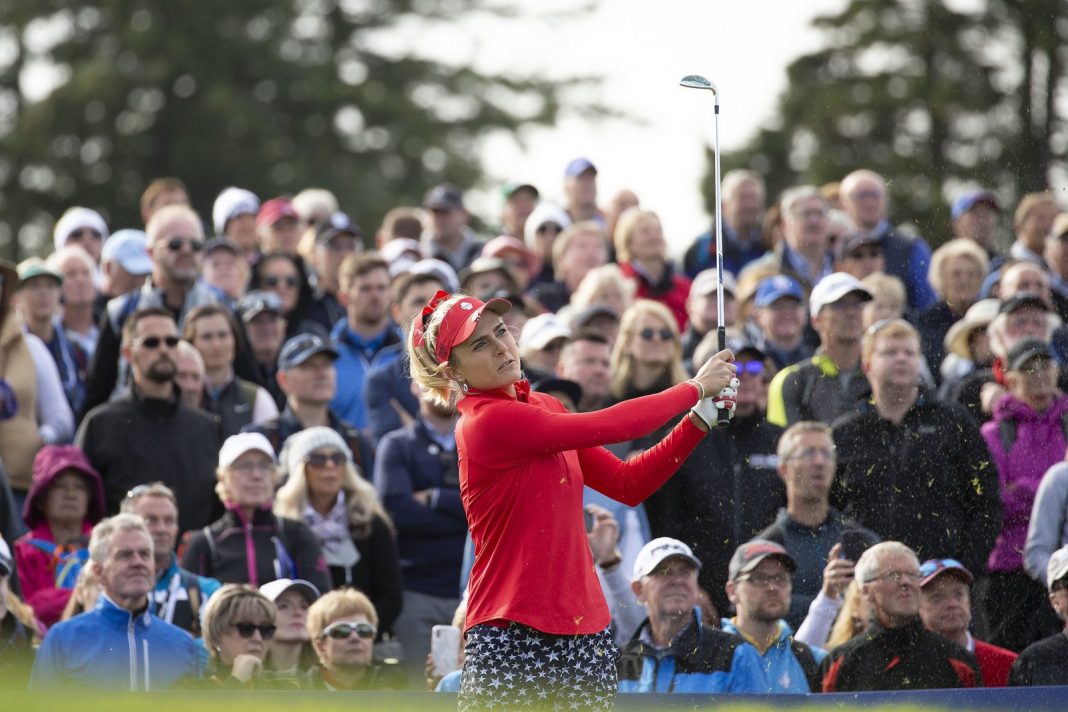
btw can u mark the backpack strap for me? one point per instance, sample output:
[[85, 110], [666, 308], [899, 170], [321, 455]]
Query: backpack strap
[[1007, 434], [212, 549], [808, 664]]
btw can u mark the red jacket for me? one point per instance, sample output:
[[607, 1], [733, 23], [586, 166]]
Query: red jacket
[[672, 291], [523, 464], [37, 575], [994, 663]]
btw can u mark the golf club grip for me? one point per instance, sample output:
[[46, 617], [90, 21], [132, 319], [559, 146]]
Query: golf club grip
[[723, 417]]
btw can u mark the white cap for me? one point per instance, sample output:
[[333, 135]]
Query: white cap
[[543, 213], [398, 246], [231, 203], [1057, 567], [653, 553], [75, 219], [832, 288], [237, 445], [314, 203], [704, 283], [274, 589], [440, 269], [540, 331]]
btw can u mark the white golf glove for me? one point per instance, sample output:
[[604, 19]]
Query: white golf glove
[[708, 409]]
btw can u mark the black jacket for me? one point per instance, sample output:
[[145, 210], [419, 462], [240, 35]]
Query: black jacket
[[133, 441], [280, 548], [929, 482], [377, 573], [1042, 663], [725, 492], [908, 658]]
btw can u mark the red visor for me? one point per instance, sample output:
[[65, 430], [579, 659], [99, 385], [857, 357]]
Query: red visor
[[459, 323]]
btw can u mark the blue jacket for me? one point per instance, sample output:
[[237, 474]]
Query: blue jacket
[[111, 648], [385, 384], [701, 660], [788, 666], [909, 259], [354, 364], [430, 538]]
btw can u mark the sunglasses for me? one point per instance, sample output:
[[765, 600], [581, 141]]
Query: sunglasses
[[153, 342], [175, 244], [752, 368], [85, 232], [247, 630], [549, 227], [273, 281], [665, 334], [343, 629], [322, 459]]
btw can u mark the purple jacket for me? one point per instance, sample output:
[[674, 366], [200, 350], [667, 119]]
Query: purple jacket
[[1039, 444]]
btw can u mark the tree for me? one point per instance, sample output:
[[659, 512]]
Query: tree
[[934, 99], [273, 97]]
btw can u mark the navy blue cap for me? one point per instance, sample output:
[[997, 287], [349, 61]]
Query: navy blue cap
[[256, 302], [301, 348], [337, 224], [578, 166], [969, 200], [777, 287], [444, 197]]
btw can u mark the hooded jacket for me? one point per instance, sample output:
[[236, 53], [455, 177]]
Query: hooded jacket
[[113, 649], [1039, 444], [47, 572]]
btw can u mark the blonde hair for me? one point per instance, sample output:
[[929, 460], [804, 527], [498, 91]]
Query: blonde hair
[[623, 362], [22, 611], [625, 227], [885, 286], [597, 279], [231, 602], [336, 604], [79, 596], [423, 360], [959, 247], [846, 626], [564, 239], [894, 329], [361, 499]]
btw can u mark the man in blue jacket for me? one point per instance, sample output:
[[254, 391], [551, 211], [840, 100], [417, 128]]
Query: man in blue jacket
[[674, 650], [119, 645]]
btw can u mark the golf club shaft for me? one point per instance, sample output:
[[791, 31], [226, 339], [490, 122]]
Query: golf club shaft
[[723, 417]]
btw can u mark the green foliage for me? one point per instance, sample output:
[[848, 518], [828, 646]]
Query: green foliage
[[272, 96], [934, 99]]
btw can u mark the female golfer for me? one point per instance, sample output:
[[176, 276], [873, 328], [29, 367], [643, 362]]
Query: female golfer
[[537, 619]]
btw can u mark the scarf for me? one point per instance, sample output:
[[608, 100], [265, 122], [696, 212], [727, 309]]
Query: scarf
[[332, 531]]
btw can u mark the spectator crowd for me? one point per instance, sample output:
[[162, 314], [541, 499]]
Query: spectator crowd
[[216, 471]]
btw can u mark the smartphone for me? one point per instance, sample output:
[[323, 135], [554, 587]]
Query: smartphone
[[588, 517], [445, 647], [854, 543]]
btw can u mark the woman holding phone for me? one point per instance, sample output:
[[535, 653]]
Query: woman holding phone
[[523, 463]]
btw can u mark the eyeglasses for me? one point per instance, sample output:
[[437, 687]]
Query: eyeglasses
[[175, 244], [897, 576], [812, 453], [764, 580], [664, 334], [343, 629], [247, 630], [84, 232], [274, 281], [549, 227], [324, 459], [247, 468], [141, 489], [752, 368], [153, 342]]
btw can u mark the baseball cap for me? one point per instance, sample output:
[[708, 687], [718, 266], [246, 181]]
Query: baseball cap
[[75, 219], [541, 330], [832, 288], [1026, 350], [458, 323], [502, 244], [231, 203], [274, 210], [578, 166], [656, 551], [222, 242], [398, 247], [856, 240], [749, 555], [36, 267], [560, 385], [584, 317], [237, 445], [255, 303], [1057, 568], [1022, 300], [6, 566], [933, 568], [705, 283], [444, 197], [439, 269], [274, 589], [510, 189], [302, 347], [969, 200], [774, 288], [485, 265], [337, 224], [311, 203], [129, 248]]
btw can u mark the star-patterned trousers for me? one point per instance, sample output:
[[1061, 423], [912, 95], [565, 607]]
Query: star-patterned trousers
[[518, 666]]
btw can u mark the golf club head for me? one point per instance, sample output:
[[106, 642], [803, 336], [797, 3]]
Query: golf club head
[[696, 81]]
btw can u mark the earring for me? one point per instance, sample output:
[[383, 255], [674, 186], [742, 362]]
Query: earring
[[463, 387]]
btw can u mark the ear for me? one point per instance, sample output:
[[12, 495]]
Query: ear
[[395, 313], [319, 644], [282, 378], [636, 587], [98, 571], [343, 297], [127, 352], [732, 592]]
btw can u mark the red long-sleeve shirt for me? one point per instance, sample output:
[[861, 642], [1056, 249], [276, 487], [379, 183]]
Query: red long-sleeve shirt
[[523, 464]]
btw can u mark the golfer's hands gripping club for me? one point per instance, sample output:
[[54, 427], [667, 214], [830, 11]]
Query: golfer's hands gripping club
[[717, 376]]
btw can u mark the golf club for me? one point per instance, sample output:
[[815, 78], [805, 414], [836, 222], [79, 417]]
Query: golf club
[[696, 81]]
